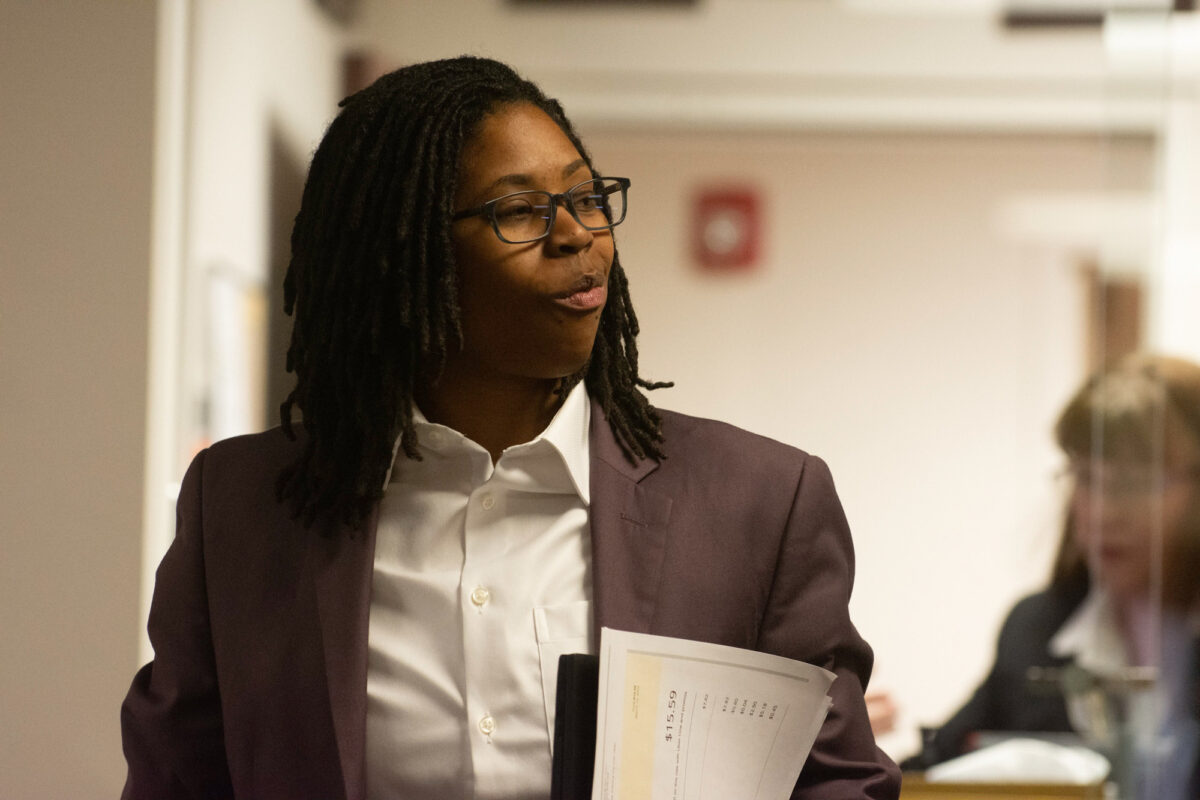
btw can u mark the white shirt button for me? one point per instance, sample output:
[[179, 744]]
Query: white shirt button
[[487, 724], [480, 596], [488, 502]]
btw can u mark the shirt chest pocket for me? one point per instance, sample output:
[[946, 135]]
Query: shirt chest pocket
[[560, 630]]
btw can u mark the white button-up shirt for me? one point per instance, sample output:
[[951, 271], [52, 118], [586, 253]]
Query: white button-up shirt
[[482, 579]]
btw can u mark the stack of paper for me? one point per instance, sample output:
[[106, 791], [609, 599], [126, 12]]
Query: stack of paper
[[684, 720]]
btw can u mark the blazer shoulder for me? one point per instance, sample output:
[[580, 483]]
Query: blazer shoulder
[[269, 448], [247, 467], [708, 453], [686, 435]]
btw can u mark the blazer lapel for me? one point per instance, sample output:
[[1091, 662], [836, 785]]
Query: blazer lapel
[[629, 527], [342, 570]]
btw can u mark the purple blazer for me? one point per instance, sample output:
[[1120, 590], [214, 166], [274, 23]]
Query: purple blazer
[[259, 625]]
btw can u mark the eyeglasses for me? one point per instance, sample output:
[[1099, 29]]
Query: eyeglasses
[[521, 217], [1127, 480]]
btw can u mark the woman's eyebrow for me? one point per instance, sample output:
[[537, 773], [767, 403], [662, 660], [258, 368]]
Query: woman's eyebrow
[[573, 167], [516, 179], [525, 180]]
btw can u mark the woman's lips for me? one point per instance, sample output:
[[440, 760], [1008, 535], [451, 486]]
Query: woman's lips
[[586, 295]]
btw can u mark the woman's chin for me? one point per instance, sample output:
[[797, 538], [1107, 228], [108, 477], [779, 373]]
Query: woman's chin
[[1125, 588]]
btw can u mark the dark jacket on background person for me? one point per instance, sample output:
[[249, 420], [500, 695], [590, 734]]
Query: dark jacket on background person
[[1007, 700]]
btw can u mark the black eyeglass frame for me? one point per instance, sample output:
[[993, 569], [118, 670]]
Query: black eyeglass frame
[[561, 198]]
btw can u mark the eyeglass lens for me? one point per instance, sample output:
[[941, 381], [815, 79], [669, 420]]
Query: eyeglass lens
[[1127, 480], [526, 216]]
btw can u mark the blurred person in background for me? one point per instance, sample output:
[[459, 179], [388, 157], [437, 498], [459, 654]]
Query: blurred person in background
[[371, 602], [1125, 587]]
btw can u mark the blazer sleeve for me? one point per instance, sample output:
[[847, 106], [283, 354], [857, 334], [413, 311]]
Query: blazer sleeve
[[171, 728], [808, 618]]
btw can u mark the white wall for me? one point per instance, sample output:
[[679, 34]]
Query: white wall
[[75, 209], [255, 70], [256, 67]]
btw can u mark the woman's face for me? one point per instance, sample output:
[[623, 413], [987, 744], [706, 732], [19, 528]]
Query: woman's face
[[528, 310], [1126, 515]]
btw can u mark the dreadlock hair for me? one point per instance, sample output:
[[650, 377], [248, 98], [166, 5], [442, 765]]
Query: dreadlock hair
[[372, 284]]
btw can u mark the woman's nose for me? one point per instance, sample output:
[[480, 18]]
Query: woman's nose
[[567, 234], [1114, 513]]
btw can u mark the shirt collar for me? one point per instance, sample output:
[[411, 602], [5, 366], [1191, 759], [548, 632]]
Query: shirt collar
[[567, 434], [1092, 637]]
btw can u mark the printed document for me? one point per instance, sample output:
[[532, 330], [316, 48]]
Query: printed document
[[684, 720]]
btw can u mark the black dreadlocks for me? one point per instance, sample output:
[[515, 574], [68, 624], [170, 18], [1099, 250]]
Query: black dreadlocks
[[372, 284]]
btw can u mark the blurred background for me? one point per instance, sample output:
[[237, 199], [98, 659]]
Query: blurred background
[[894, 233]]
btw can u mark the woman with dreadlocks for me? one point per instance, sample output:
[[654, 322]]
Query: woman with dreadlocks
[[371, 602]]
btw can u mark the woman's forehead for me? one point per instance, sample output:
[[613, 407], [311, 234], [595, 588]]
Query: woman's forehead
[[515, 145]]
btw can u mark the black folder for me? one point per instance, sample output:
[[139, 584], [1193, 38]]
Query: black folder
[[575, 727]]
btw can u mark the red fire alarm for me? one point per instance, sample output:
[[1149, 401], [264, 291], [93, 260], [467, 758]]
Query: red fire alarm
[[726, 229]]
